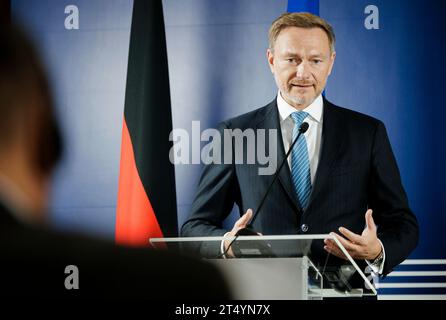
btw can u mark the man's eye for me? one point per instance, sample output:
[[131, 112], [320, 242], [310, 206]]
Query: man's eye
[[316, 61]]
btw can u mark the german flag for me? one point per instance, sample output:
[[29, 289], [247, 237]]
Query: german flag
[[146, 205]]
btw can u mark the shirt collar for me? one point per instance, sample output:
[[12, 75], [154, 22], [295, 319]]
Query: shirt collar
[[314, 109]]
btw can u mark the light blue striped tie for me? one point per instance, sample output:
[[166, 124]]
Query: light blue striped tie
[[300, 164]]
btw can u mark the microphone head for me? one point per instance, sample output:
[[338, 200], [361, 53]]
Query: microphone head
[[303, 127]]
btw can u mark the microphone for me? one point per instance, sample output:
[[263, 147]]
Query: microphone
[[248, 231]]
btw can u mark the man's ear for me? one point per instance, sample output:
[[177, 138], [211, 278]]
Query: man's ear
[[332, 60], [270, 57], [45, 135]]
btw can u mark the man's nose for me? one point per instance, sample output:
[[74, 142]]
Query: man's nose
[[302, 71]]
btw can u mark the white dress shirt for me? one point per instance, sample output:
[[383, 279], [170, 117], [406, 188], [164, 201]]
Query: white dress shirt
[[312, 136]]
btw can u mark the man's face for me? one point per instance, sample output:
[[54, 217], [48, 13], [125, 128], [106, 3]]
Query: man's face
[[301, 62]]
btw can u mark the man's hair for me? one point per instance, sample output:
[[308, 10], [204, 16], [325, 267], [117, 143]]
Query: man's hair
[[301, 20], [25, 94]]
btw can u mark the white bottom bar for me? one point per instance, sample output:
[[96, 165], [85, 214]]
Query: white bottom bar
[[417, 274], [424, 261], [411, 285], [412, 297]]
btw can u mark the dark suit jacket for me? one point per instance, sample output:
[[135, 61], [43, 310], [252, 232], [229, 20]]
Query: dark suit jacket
[[33, 261], [357, 170]]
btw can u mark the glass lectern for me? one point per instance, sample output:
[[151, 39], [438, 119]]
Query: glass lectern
[[278, 267]]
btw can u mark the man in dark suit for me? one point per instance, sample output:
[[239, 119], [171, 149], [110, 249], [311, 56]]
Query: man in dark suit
[[37, 262], [340, 177]]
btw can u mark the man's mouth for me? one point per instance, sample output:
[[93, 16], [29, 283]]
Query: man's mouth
[[302, 85]]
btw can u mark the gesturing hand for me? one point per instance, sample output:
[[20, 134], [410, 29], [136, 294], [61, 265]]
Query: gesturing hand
[[364, 246], [239, 224]]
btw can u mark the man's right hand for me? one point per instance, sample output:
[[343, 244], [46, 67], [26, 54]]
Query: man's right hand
[[239, 224]]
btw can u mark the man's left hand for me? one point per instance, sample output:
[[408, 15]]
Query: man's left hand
[[364, 246]]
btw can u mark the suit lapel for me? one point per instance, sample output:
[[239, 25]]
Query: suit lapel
[[332, 137], [271, 120]]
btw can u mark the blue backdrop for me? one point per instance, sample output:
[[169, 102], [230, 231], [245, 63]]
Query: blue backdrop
[[218, 69]]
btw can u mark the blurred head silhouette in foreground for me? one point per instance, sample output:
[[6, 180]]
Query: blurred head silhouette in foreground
[[30, 142], [33, 259]]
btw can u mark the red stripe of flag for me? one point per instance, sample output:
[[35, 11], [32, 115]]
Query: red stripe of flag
[[135, 219]]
